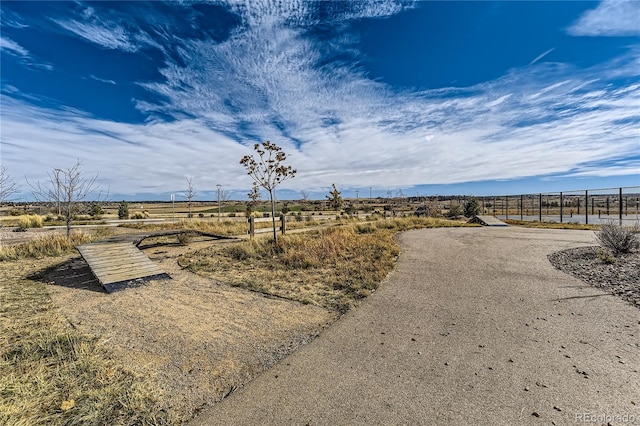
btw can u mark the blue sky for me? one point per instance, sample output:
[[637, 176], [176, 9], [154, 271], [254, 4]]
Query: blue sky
[[430, 97]]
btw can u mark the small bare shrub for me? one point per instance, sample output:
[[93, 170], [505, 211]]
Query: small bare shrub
[[185, 238], [619, 238], [606, 257]]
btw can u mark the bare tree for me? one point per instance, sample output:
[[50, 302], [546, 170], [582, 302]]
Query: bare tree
[[8, 186], [268, 171], [68, 188], [190, 193]]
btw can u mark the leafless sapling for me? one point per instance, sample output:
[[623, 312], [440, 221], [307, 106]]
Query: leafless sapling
[[268, 171], [68, 188]]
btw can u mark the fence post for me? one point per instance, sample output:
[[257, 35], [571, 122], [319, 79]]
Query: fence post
[[252, 227], [620, 206], [540, 208], [521, 198], [507, 204], [561, 207], [283, 224], [586, 207]]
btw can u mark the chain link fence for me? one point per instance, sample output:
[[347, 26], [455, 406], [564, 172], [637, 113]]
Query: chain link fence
[[591, 206]]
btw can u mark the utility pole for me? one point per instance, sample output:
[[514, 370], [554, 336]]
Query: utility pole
[[357, 201], [219, 186]]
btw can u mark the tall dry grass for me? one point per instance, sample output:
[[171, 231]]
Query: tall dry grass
[[334, 267], [30, 221], [51, 374], [50, 245]]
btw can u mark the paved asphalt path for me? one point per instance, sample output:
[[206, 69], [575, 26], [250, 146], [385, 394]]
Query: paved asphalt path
[[474, 326]]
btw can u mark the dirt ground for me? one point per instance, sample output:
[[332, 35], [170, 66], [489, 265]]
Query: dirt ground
[[198, 338]]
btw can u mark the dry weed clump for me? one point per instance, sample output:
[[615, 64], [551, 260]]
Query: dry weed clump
[[30, 221], [51, 374]]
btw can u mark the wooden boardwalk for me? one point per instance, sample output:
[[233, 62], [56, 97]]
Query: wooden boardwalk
[[117, 262], [487, 221], [115, 265]]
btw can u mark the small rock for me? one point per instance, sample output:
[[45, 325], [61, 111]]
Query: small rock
[[557, 408], [535, 414], [526, 389]]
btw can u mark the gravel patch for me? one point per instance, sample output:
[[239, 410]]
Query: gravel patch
[[621, 278]]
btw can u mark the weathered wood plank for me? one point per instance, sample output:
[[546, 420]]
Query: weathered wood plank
[[117, 263], [265, 230], [103, 272]]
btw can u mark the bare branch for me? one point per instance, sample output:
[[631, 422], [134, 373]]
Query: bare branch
[[8, 186]]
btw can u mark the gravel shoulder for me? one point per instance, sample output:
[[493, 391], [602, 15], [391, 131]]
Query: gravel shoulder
[[621, 278]]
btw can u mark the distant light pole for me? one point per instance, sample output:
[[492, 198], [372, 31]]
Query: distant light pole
[[173, 205], [219, 186], [369, 193], [357, 201]]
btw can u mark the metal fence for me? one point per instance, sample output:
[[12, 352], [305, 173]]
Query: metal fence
[[590, 206]]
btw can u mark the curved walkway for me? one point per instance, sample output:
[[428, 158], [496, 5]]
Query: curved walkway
[[473, 327]]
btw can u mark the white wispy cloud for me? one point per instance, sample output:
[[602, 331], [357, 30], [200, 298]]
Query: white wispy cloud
[[102, 80], [12, 47], [610, 18], [25, 56], [107, 33], [113, 37]]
